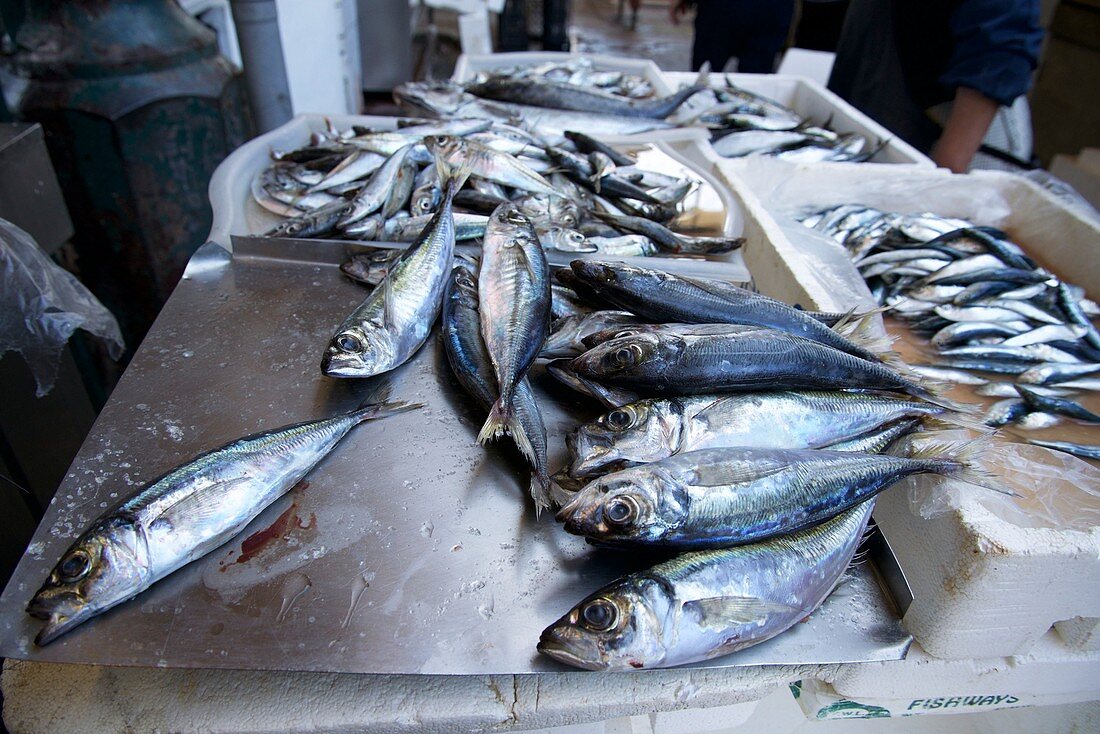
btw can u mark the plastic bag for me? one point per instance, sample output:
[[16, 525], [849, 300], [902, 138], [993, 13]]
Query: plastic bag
[[1054, 489], [41, 305]]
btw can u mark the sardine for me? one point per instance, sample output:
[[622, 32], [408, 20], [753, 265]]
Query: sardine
[[654, 429], [396, 318], [472, 366], [715, 498], [514, 296], [701, 605], [183, 515]]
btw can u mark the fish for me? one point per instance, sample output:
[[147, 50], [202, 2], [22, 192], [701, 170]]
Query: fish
[[666, 239], [562, 96], [705, 604], [662, 297], [370, 267], [488, 164], [1040, 402], [657, 428], [567, 334], [587, 144], [514, 298], [610, 397], [473, 368], [376, 194], [658, 364], [1080, 450], [183, 515], [394, 321], [719, 497]]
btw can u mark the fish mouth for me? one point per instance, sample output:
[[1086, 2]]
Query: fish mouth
[[335, 364], [551, 646], [57, 623], [565, 512]]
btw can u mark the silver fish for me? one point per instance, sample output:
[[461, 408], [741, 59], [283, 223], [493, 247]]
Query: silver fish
[[374, 195], [474, 369], [654, 429], [184, 515], [567, 334], [715, 498], [396, 318], [701, 605], [514, 297], [489, 164]]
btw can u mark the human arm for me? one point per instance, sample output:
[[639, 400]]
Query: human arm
[[964, 130]]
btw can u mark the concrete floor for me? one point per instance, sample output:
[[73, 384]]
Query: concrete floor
[[595, 28]]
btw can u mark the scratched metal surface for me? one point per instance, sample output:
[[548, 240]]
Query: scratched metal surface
[[411, 550]]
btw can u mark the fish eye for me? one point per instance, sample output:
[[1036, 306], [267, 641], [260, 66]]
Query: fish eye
[[465, 280], [626, 356], [569, 220], [600, 615], [619, 419], [576, 236], [621, 510], [349, 343], [75, 565]]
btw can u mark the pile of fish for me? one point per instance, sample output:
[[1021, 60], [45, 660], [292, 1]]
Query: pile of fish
[[743, 123], [578, 71], [744, 435], [382, 185], [547, 99], [997, 320]]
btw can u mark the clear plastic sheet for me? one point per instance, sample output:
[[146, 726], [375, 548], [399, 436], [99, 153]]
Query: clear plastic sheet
[[830, 264], [1054, 489], [41, 305]]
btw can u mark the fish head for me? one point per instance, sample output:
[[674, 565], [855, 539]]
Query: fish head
[[616, 332], [564, 211], [107, 565], [634, 505], [449, 148], [566, 240], [618, 357], [355, 352], [438, 98], [617, 628], [639, 433]]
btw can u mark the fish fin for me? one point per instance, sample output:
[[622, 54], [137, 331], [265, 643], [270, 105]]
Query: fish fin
[[959, 460], [205, 503], [502, 422], [702, 79], [735, 472], [541, 492], [452, 177], [852, 319], [862, 334], [971, 421], [722, 611]]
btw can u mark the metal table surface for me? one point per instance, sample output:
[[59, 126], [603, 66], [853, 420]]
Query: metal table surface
[[410, 549]]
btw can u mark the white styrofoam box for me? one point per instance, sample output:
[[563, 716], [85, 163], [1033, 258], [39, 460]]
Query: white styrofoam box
[[1049, 674], [470, 64], [816, 103], [982, 585], [236, 213]]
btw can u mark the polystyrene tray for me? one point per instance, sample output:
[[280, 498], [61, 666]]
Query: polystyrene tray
[[470, 64], [816, 103]]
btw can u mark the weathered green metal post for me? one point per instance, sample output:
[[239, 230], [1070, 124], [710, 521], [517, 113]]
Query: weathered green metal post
[[138, 109]]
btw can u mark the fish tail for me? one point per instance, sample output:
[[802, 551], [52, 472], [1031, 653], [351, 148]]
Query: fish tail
[[502, 422], [540, 491], [452, 175], [970, 421], [959, 459], [862, 332]]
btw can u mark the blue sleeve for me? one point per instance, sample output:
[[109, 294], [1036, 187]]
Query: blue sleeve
[[996, 47]]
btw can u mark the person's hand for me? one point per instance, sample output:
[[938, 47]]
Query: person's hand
[[967, 124], [677, 9]]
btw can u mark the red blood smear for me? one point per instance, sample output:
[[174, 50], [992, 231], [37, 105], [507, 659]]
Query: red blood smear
[[254, 543]]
